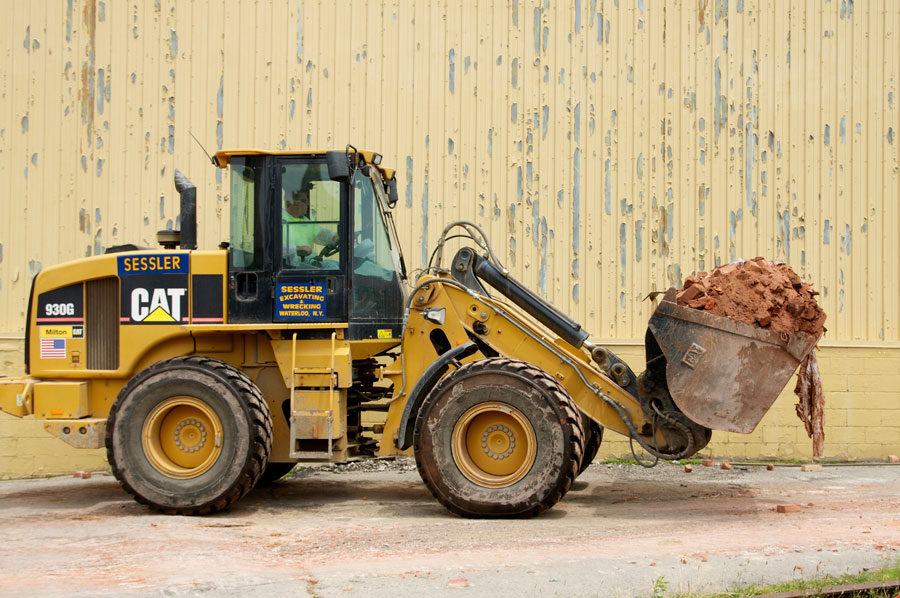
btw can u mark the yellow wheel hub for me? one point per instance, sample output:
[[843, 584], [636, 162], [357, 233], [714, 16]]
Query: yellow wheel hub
[[494, 445], [182, 437]]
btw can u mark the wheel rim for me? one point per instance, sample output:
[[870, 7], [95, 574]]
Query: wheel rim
[[494, 445], [182, 437]]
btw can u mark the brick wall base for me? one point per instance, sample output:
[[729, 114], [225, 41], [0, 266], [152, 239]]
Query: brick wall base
[[862, 412], [862, 419]]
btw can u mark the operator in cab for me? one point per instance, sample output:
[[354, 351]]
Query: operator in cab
[[301, 233]]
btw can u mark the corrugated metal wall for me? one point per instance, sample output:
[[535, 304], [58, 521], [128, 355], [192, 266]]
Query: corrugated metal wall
[[610, 148]]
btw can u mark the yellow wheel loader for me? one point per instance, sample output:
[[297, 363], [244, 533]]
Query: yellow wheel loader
[[300, 339]]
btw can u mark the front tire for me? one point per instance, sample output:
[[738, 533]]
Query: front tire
[[498, 438], [189, 436]]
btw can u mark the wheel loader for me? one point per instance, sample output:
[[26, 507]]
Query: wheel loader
[[302, 338]]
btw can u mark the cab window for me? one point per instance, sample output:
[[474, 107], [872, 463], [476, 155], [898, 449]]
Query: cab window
[[310, 218], [245, 238]]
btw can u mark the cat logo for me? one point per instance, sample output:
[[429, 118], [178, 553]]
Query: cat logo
[[157, 305]]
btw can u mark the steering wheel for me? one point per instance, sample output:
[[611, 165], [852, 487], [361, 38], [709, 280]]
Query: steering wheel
[[328, 251]]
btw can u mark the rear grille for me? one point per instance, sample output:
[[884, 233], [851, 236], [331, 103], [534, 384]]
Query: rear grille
[[102, 323]]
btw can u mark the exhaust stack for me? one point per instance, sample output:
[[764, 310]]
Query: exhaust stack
[[188, 192]]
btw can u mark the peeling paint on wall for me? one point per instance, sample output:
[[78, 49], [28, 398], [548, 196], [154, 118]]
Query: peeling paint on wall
[[452, 70], [409, 181], [678, 185], [299, 31], [608, 188], [749, 160], [784, 233], [846, 9], [519, 184], [87, 70], [845, 240]]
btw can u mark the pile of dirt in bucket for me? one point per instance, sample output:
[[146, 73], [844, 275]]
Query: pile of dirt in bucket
[[772, 296], [760, 292]]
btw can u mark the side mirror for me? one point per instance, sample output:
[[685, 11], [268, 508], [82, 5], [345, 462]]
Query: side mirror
[[338, 165], [391, 188]]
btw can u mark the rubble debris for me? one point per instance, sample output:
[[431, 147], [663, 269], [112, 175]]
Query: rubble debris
[[770, 467], [726, 465], [770, 295], [688, 469], [811, 467], [810, 405], [707, 463], [760, 292], [789, 509], [398, 463], [893, 459]]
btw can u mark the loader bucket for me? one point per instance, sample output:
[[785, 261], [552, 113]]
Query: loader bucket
[[721, 373]]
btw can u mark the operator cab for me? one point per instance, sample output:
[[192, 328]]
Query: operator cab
[[313, 241]]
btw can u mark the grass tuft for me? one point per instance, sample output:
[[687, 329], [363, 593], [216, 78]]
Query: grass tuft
[[889, 572]]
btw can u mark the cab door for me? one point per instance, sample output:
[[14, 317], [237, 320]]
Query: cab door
[[311, 258]]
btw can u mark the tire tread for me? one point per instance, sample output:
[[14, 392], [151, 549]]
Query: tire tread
[[561, 399], [261, 435]]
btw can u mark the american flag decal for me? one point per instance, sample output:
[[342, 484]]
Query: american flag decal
[[53, 348]]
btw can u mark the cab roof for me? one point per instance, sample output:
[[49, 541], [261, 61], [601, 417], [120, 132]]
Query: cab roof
[[223, 157]]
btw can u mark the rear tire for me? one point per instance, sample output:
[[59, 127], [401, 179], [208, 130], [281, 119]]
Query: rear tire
[[593, 433], [498, 438], [189, 436]]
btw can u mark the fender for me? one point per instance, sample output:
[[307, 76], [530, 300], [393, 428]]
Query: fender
[[423, 386]]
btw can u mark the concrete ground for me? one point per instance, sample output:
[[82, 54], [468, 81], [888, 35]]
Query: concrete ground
[[373, 529]]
